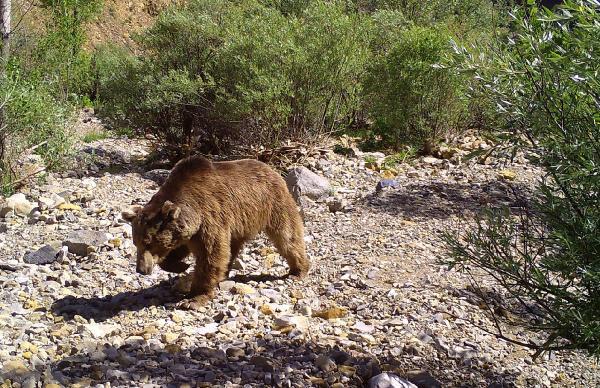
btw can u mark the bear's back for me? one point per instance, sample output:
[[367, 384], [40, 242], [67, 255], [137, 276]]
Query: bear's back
[[242, 179]]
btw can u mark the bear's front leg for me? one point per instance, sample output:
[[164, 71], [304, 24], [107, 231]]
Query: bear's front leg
[[210, 269], [174, 261]]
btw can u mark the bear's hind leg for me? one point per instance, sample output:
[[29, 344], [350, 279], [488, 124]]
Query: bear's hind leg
[[236, 248], [211, 268], [289, 241]]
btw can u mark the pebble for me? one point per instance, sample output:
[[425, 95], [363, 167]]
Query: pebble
[[325, 363]]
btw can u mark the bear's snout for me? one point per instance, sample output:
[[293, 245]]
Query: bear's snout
[[145, 263], [143, 269]]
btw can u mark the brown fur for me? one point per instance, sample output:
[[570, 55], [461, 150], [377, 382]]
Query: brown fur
[[210, 209]]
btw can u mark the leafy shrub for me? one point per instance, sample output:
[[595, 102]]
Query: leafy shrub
[[57, 56], [47, 73], [470, 15], [216, 72], [411, 100], [31, 116], [329, 62], [548, 260]]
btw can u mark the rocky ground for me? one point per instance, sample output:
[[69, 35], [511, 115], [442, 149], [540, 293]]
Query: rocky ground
[[75, 313]]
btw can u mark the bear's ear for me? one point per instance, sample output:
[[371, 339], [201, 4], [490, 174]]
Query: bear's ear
[[170, 210], [130, 214]]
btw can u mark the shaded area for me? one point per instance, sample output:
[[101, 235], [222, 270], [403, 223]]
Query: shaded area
[[241, 278], [280, 362], [441, 200], [96, 160], [268, 360], [102, 308]]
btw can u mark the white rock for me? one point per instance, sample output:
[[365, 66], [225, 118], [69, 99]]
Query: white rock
[[299, 322], [207, 329], [88, 183], [389, 380], [50, 202], [363, 327], [100, 330], [127, 230], [18, 204]]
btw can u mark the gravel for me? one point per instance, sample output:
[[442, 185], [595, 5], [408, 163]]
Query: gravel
[[376, 303]]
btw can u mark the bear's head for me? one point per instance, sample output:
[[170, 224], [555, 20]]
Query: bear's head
[[156, 232]]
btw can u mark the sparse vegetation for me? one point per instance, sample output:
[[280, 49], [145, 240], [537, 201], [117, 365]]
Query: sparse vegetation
[[94, 136], [44, 77], [411, 100], [547, 260]]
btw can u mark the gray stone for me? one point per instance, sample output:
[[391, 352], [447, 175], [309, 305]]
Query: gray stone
[[209, 377], [303, 182], [81, 242], [389, 380], [264, 363], [45, 255], [386, 183], [50, 202], [30, 382], [336, 205], [100, 330], [226, 285], [364, 328], [325, 363], [235, 352], [203, 353], [431, 160], [423, 379]]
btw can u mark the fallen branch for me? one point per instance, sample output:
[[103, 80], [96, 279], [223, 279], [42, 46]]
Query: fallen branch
[[35, 147], [17, 183]]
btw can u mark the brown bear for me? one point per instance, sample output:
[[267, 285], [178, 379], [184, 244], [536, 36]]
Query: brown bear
[[210, 209]]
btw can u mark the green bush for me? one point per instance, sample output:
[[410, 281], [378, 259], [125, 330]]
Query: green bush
[[178, 89], [54, 55], [46, 76], [214, 73], [411, 100], [547, 260], [31, 116], [330, 59]]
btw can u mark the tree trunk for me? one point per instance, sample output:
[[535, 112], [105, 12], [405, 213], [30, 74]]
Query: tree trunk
[[5, 31]]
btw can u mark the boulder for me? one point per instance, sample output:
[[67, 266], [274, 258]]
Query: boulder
[[82, 242], [303, 182], [18, 204], [45, 255]]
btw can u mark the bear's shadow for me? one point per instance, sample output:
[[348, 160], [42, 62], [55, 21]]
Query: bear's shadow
[[160, 294]]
